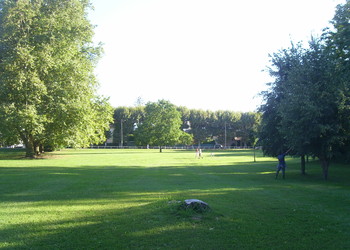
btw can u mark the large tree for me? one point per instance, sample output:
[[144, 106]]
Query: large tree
[[339, 46], [307, 103], [270, 134], [310, 109], [47, 86], [161, 126]]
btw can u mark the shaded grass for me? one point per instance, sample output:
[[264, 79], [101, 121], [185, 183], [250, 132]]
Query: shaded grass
[[122, 199]]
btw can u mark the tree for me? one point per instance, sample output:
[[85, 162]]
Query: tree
[[310, 110], [270, 137], [223, 125], [47, 86], [185, 117], [126, 119], [338, 43], [247, 128], [199, 124], [123, 124], [338, 38], [161, 125], [282, 113], [307, 102]]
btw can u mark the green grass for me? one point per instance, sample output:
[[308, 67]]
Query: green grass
[[123, 199]]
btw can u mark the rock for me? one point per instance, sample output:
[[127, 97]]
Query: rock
[[196, 205]]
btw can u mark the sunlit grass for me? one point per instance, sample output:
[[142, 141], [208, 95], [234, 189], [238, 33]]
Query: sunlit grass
[[127, 199]]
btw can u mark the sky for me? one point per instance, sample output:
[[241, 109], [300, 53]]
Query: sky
[[202, 54]]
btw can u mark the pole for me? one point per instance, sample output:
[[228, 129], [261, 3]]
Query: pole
[[225, 135], [121, 133]]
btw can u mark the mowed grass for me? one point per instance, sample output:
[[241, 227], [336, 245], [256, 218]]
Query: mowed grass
[[126, 199]]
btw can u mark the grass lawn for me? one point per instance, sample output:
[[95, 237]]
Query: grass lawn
[[126, 199]]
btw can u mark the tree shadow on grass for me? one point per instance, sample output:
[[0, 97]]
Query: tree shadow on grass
[[113, 207], [118, 208], [239, 219], [151, 226], [12, 153], [23, 184], [100, 152]]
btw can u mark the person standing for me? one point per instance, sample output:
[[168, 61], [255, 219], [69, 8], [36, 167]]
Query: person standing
[[197, 153], [281, 164], [200, 153]]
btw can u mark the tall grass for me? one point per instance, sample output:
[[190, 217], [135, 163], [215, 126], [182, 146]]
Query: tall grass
[[127, 199]]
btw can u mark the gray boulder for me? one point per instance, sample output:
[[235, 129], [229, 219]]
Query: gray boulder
[[195, 205]]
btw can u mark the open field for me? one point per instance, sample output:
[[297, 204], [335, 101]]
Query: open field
[[125, 199]]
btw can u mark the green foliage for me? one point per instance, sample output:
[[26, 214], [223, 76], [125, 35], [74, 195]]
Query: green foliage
[[202, 125], [126, 119], [248, 127], [307, 107], [161, 125], [47, 86], [200, 121]]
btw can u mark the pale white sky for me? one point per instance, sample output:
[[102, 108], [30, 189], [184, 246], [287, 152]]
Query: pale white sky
[[203, 54]]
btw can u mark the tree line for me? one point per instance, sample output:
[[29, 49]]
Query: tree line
[[307, 107], [134, 125], [48, 94]]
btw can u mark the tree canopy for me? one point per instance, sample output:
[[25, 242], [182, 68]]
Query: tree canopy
[[307, 106], [47, 85], [162, 125]]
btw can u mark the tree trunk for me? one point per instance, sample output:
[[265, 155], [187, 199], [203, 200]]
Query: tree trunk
[[325, 165], [302, 159], [28, 142], [160, 149], [254, 155], [36, 149]]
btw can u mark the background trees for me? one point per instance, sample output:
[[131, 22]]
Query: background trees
[[203, 126], [199, 121], [47, 86], [248, 125], [126, 120]]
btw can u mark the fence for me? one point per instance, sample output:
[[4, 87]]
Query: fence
[[170, 147]]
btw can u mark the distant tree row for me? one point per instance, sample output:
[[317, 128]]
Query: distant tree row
[[307, 107], [134, 125]]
